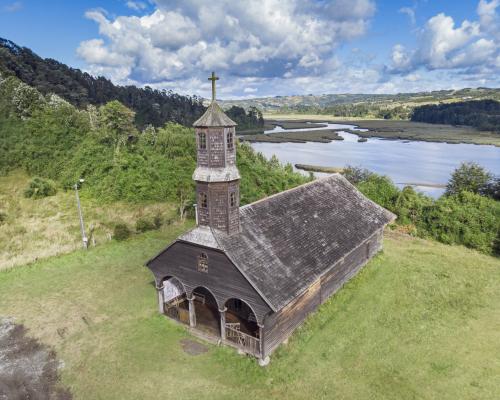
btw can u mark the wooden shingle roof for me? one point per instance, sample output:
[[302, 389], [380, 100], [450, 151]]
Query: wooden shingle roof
[[287, 241], [214, 116]]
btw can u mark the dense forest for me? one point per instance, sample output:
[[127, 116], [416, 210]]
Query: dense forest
[[482, 114], [151, 106], [50, 138]]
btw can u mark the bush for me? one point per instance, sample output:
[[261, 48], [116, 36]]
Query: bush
[[356, 175], [469, 177], [39, 188], [121, 232], [144, 225], [381, 190], [3, 217], [158, 221], [467, 218]]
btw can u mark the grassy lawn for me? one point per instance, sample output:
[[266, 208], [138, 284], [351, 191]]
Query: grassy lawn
[[422, 320], [41, 228]]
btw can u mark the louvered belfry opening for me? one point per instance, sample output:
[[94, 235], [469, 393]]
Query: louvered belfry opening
[[216, 175]]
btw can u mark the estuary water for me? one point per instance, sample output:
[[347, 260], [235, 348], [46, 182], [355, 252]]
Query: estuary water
[[423, 165]]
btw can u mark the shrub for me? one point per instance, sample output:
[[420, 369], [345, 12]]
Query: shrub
[[158, 220], [3, 217], [39, 188], [381, 190], [469, 177], [144, 224], [121, 232], [356, 175], [467, 218]]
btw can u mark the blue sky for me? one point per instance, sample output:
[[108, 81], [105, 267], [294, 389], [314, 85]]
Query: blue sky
[[268, 47]]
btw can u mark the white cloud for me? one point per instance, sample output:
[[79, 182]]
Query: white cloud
[[261, 38], [250, 90], [136, 5], [443, 44], [410, 12]]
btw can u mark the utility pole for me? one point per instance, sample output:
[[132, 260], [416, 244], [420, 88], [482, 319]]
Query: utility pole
[[80, 214]]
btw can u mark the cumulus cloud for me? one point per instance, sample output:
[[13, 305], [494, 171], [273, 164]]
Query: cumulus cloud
[[266, 39], [444, 44]]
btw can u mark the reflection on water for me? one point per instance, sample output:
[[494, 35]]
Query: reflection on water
[[403, 161]]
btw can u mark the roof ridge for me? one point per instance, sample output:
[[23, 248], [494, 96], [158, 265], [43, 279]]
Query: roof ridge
[[272, 196]]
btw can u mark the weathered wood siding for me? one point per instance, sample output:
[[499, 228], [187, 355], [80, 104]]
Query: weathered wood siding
[[349, 266], [223, 279], [279, 326]]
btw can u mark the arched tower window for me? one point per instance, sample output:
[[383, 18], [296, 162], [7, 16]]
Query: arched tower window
[[232, 199]]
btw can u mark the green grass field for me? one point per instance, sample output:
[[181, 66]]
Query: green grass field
[[40, 228], [421, 321]]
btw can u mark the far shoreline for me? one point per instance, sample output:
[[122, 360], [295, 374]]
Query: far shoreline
[[377, 128]]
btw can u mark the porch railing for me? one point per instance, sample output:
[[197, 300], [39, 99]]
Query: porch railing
[[247, 342]]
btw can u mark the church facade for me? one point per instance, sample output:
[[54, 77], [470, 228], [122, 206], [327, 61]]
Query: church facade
[[249, 276]]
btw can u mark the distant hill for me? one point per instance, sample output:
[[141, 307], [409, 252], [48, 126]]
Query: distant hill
[[482, 114], [397, 106], [81, 89]]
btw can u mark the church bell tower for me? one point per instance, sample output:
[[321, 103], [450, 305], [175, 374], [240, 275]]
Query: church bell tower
[[217, 177]]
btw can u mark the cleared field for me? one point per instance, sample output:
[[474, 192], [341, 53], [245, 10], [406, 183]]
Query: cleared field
[[36, 229], [422, 320], [405, 130]]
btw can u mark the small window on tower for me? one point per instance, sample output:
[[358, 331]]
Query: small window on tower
[[203, 263], [203, 140], [230, 141], [232, 199], [203, 200]]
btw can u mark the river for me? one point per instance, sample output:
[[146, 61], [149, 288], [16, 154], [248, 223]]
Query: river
[[424, 165]]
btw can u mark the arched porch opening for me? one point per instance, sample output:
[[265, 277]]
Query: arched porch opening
[[175, 304], [242, 327], [207, 311]]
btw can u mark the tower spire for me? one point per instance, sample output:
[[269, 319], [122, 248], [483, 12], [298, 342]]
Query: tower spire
[[213, 78]]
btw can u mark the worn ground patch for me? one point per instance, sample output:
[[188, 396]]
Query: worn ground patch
[[28, 369], [193, 348]]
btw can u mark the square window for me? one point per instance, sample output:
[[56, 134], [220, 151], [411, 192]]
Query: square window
[[230, 140], [202, 140], [203, 200], [203, 263]]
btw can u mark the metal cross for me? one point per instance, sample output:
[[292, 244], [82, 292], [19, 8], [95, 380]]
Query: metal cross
[[213, 78]]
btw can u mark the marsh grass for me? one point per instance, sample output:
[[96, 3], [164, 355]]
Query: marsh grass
[[401, 129], [34, 229], [422, 320]]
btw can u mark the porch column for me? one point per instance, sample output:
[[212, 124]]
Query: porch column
[[192, 313], [261, 341], [223, 323], [263, 360], [161, 299]]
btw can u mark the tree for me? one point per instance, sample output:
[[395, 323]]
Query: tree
[[469, 177], [117, 124]]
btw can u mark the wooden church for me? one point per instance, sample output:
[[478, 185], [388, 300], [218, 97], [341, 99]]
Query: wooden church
[[248, 276]]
